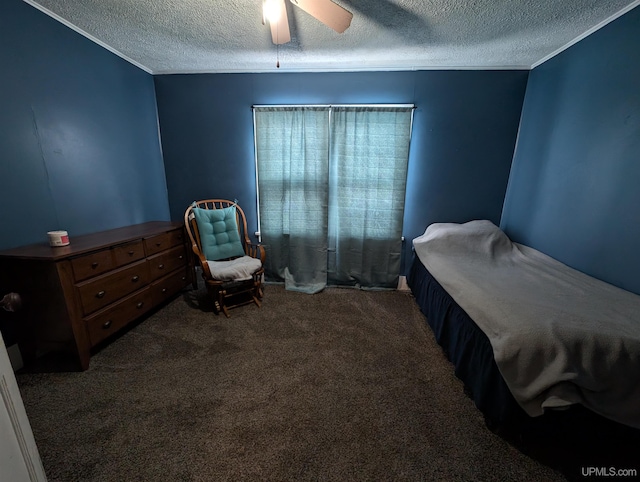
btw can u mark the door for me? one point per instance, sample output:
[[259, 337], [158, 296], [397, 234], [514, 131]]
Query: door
[[19, 457]]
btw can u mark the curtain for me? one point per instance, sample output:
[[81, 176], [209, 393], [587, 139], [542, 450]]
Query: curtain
[[331, 187], [292, 148], [368, 158]]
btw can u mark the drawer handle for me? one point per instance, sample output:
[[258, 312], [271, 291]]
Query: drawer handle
[[94, 265], [164, 290], [135, 279], [100, 294], [180, 257], [130, 253], [140, 304], [158, 244], [106, 325], [161, 266], [184, 278]]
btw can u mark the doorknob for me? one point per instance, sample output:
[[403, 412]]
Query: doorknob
[[11, 302]]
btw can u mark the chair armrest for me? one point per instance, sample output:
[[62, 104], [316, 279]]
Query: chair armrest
[[203, 261], [256, 251]]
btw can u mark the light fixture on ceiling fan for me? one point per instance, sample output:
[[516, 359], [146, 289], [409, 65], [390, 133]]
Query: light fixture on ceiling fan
[[327, 12]]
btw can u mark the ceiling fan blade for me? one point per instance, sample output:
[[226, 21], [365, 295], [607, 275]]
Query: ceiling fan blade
[[279, 22], [329, 13]]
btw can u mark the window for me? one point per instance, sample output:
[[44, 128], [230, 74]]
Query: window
[[331, 184]]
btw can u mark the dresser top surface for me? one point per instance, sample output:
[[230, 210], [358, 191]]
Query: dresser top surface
[[90, 242]]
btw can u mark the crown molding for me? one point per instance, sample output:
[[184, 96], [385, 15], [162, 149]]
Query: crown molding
[[75, 28], [587, 33]]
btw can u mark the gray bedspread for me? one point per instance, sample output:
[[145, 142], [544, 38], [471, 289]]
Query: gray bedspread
[[559, 336]]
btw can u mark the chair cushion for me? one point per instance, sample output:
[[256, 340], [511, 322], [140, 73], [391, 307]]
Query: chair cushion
[[219, 234], [238, 269]]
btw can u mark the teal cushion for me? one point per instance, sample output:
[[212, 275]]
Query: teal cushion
[[218, 233]]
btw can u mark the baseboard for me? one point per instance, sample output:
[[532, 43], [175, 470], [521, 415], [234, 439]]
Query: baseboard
[[15, 357], [402, 284]]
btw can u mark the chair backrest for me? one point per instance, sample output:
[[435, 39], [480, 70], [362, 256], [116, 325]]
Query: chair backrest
[[192, 226]]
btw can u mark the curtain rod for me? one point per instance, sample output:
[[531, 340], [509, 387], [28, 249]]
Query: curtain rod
[[258, 106]]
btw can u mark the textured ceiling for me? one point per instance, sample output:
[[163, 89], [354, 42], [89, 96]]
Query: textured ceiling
[[188, 36]]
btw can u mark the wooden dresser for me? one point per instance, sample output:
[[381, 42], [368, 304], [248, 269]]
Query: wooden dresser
[[76, 296]]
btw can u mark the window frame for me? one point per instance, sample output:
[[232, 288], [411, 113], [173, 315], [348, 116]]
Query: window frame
[[329, 107]]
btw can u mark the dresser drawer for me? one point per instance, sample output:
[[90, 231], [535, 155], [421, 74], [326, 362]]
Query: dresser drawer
[[166, 287], [166, 262], [128, 253], [92, 264], [106, 322], [160, 242], [99, 292]]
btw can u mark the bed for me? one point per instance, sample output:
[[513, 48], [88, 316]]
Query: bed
[[527, 334]]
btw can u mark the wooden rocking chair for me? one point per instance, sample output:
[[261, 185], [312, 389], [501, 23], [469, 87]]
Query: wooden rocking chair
[[232, 267]]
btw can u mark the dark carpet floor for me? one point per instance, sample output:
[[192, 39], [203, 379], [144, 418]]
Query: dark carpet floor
[[342, 385]]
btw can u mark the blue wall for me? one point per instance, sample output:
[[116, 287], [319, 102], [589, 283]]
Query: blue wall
[[464, 133], [79, 144], [574, 191]]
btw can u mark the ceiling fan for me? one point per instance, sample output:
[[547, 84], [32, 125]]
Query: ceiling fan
[[327, 12]]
